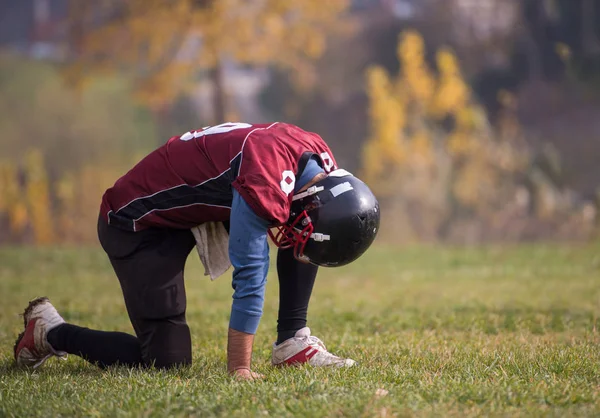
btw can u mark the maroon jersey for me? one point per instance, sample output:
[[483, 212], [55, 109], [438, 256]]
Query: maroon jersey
[[189, 180]]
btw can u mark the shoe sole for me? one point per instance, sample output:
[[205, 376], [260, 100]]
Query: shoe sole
[[345, 364], [26, 314]]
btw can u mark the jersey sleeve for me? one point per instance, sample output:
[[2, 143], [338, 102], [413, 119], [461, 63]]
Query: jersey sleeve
[[266, 179]]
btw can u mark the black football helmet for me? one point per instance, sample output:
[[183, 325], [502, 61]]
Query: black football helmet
[[332, 223]]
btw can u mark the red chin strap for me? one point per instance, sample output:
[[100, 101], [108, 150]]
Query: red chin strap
[[294, 235]]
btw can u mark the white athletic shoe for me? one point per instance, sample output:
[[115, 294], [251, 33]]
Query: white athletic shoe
[[32, 348], [304, 348]]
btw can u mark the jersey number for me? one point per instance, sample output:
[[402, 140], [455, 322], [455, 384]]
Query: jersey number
[[218, 129]]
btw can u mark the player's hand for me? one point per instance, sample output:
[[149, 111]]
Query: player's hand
[[246, 374]]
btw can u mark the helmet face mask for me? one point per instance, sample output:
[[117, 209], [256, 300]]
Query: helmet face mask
[[332, 223], [294, 235]]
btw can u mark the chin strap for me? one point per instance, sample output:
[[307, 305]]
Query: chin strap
[[308, 192], [317, 236]]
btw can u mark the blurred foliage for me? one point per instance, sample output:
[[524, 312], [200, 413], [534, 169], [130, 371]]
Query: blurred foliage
[[432, 156], [36, 211], [164, 45], [82, 139], [37, 196], [61, 150], [470, 129], [12, 204], [38, 111]]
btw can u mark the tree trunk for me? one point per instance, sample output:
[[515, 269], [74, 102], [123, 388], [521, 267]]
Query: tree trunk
[[589, 40], [219, 93], [531, 17]]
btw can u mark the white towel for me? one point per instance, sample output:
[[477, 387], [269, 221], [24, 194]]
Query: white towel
[[212, 243]]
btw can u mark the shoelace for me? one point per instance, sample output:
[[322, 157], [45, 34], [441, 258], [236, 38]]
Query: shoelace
[[315, 341], [320, 346]]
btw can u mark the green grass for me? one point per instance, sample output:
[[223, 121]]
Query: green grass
[[509, 331]]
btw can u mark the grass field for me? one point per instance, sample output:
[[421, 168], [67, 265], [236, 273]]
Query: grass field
[[436, 331]]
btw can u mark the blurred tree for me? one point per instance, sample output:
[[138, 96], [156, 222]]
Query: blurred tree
[[38, 198], [48, 135], [552, 40], [431, 154], [164, 45], [12, 204], [78, 195], [336, 106]]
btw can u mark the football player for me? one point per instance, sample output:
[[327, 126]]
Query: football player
[[259, 180]]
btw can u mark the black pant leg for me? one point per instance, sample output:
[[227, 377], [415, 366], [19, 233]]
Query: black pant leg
[[296, 281], [153, 287], [98, 347], [149, 265]]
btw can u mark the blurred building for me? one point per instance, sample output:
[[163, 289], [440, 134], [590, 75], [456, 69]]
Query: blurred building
[[481, 20], [33, 27]]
